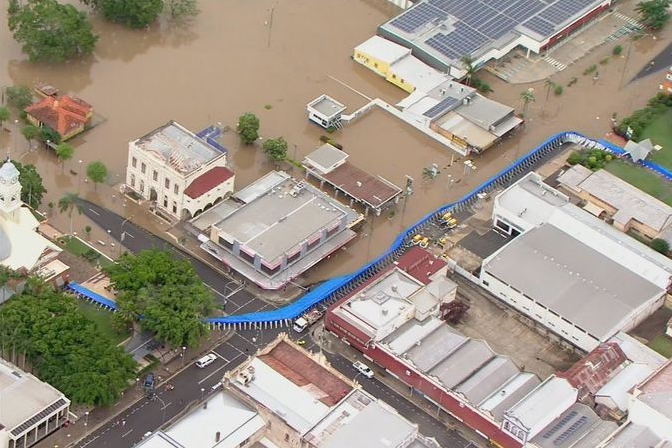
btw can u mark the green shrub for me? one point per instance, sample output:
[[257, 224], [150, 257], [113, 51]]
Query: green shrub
[[660, 245], [590, 70], [592, 159], [617, 50], [572, 81], [604, 61], [558, 90], [641, 118]]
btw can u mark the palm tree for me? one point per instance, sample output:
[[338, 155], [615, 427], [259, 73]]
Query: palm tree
[[526, 96], [549, 86], [468, 66], [69, 203]]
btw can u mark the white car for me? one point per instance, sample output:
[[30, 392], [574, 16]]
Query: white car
[[206, 360], [363, 369]]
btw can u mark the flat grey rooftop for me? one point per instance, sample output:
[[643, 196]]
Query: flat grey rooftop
[[571, 279], [178, 148], [327, 106], [462, 363], [489, 378], [632, 435], [325, 157], [276, 222], [568, 428], [532, 199], [509, 394], [215, 214]]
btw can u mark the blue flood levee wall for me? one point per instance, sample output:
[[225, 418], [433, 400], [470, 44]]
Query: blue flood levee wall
[[344, 284]]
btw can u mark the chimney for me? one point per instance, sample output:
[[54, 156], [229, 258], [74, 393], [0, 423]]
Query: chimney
[[55, 105], [218, 435]]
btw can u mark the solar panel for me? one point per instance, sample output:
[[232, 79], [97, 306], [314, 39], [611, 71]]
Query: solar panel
[[417, 17], [440, 107], [499, 5], [445, 5], [560, 424], [479, 15], [571, 430], [522, 9], [540, 26], [498, 26], [39, 417], [560, 12], [464, 40]]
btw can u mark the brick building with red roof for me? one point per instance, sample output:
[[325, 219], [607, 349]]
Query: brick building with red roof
[[66, 115]]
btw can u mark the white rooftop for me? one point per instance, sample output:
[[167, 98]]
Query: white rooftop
[[23, 396], [299, 407], [630, 203], [637, 352], [618, 387], [382, 49], [21, 246], [326, 158], [632, 435], [362, 421], [509, 394], [546, 402], [418, 74], [178, 148]]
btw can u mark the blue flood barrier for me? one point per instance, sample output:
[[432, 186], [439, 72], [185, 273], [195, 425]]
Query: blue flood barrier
[[81, 291]]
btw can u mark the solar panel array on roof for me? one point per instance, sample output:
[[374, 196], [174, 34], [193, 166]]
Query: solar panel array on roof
[[417, 17], [475, 22], [560, 424], [571, 430], [440, 107]]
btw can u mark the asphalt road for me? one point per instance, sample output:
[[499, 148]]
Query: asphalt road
[[193, 383], [137, 239], [662, 61]]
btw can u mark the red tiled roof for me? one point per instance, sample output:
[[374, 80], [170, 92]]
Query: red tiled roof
[[62, 114], [595, 369], [419, 264], [207, 181], [302, 371]]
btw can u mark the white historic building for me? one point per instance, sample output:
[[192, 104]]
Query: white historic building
[[181, 173], [21, 247]]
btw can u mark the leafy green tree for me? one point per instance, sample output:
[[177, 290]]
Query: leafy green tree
[[468, 66], [63, 347], [181, 10], [49, 135], [131, 13], [660, 245], [276, 149], [87, 230], [97, 172], [64, 152], [166, 292], [19, 97], [30, 133], [49, 31], [654, 13], [32, 188], [4, 115], [248, 128], [69, 203]]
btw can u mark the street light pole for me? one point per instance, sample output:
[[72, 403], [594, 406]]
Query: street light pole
[[123, 234], [202, 393], [184, 349], [79, 187]]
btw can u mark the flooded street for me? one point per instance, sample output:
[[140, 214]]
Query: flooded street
[[271, 57]]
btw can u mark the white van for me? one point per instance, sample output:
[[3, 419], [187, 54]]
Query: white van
[[206, 360]]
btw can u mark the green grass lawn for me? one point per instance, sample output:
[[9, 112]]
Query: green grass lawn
[[660, 133], [77, 247], [643, 179], [662, 344], [102, 320]]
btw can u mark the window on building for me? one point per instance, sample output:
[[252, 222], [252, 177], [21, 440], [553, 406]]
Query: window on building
[[165, 202], [394, 76], [134, 162], [132, 180], [486, 283], [174, 207], [142, 186], [375, 64], [286, 437], [176, 188], [13, 197], [143, 168], [166, 183], [155, 175]]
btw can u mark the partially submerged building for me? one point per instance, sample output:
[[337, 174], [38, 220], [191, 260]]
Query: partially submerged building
[[442, 32], [306, 403], [67, 115], [329, 165], [30, 409], [559, 270], [619, 203], [179, 172], [279, 228]]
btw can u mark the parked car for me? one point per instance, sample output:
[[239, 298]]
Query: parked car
[[363, 369], [206, 360]]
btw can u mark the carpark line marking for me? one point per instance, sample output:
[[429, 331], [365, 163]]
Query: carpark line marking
[[217, 354], [124, 435], [217, 370], [167, 404], [94, 212]]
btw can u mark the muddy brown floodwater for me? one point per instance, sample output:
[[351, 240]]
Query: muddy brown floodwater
[[271, 57]]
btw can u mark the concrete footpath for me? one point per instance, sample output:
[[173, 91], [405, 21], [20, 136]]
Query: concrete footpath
[[84, 424]]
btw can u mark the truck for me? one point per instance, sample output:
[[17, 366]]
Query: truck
[[307, 320], [448, 220]]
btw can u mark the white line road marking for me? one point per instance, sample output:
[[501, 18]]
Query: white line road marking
[[127, 233], [214, 290], [217, 354], [167, 404], [94, 212], [125, 434]]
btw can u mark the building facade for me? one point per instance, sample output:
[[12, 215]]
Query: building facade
[[180, 173], [30, 409]]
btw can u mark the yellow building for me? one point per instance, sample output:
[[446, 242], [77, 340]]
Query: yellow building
[[396, 64]]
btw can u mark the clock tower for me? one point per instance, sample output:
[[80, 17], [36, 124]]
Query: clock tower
[[10, 191]]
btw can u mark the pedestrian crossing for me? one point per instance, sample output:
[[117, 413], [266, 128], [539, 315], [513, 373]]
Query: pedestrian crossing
[[628, 19], [555, 63]]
